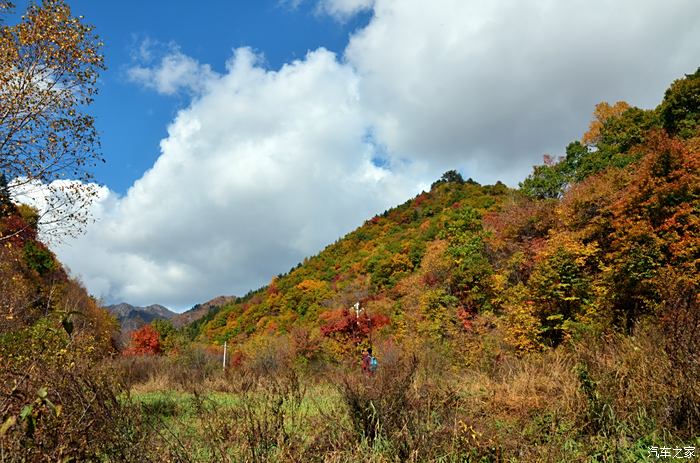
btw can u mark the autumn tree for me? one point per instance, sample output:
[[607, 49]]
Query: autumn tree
[[16, 291], [349, 327], [49, 66], [603, 112], [144, 341], [656, 225], [171, 339], [469, 279], [608, 143], [547, 181]]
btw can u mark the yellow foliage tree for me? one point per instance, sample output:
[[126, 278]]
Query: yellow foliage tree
[[49, 66], [603, 111]]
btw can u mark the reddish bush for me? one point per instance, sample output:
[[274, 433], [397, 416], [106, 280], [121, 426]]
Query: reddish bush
[[144, 341], [465, 317], [17, 229], [344, 324], [237, 358]]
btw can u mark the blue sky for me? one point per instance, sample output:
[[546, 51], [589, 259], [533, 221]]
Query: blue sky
[[243, 136], [131, 120]]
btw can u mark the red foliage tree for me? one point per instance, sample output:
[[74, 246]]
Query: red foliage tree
[[16, 229], [344, 325], [144, 341]]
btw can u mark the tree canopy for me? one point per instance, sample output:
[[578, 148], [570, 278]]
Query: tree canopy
[[49, 66]]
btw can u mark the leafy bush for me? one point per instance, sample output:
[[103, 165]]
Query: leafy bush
[[38, 257]]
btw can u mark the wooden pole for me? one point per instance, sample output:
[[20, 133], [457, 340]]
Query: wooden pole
[[224, 355]]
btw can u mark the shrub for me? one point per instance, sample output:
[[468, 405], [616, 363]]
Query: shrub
[[58, 405], [144, 341], [38, 257]]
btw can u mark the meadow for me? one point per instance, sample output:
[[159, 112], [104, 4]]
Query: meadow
[[598, 400]]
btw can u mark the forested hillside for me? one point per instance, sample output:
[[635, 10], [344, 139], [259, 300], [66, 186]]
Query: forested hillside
[[53, 339], [593, 241], [432, 244]]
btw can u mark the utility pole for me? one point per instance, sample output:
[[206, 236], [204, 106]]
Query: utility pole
[[224, 356]]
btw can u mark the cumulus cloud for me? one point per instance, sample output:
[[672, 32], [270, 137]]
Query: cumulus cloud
[[343, 9], [261, 170], [174, 72], [489, 87], [265, 166]]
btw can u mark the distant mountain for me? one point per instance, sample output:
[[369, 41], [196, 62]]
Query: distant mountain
[[132, 318], [201, 310]]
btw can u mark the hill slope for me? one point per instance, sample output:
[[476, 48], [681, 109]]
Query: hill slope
[[588, 243], [368, 265]]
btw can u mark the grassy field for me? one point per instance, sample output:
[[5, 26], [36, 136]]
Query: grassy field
[[542, 408]]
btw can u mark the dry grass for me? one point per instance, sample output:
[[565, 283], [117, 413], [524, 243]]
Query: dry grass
[[594, 400], [535, 384]]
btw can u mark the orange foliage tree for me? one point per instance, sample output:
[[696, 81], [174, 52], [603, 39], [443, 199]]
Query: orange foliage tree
[[144, 341], [603, 111], [656, 225], [49, 68]]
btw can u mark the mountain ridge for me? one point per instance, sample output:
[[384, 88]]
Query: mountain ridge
[[131, 317], [198, 311]]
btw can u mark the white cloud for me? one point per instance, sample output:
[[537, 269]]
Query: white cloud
[[64, 205], [261, 170], [175, 71], [265, 167], [344, 9], [489, 87]]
